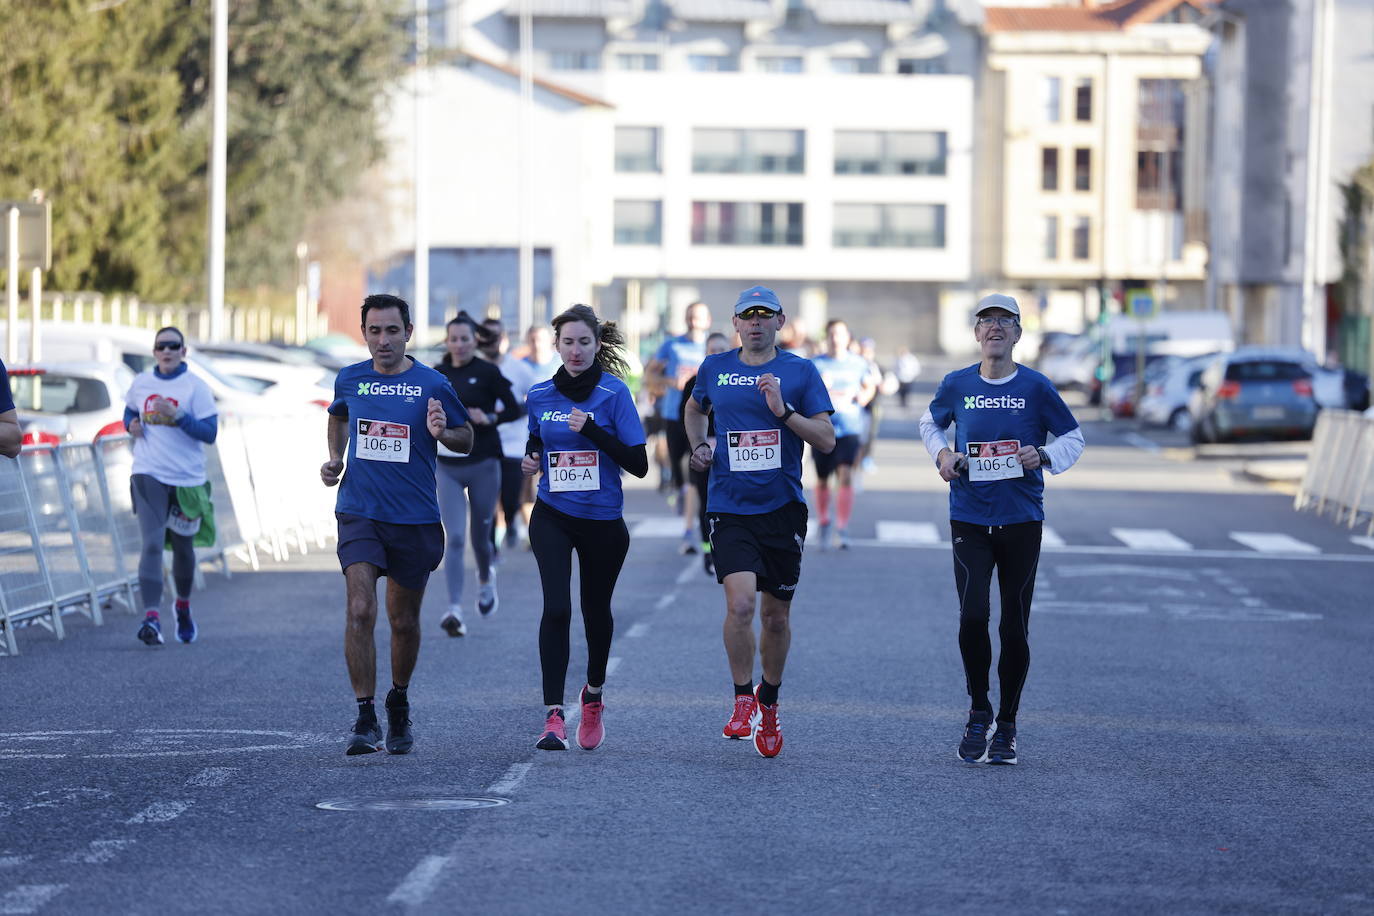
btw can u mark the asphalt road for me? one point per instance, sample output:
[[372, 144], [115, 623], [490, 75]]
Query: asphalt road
[[1194, 735]]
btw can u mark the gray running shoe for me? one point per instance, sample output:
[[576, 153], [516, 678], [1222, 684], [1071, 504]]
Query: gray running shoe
[[365, 738], [452, 622], [486, 598]]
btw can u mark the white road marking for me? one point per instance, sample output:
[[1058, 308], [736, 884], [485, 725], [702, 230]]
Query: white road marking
[[159, 812], [1124, 569], [611, 665], [1091, 608], [13, 861], [1273, 542], [247, 749], [638, 630], [1252, 602], [512, 778], [658, 526], [689, 572], [211, 777], [894, 532], [1150, 539], [1131, 553], [98, 853], [1363, 542], [28, 898], [664, 601], [416, 886], [1050, 538], [1140, 441]]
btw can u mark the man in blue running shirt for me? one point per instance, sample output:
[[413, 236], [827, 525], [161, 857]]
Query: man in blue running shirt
[[388, 412], [766, 403], [1003, 413], [673, 364]]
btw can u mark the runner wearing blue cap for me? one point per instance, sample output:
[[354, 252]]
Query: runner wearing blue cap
[[1003, 414], [765, 403]]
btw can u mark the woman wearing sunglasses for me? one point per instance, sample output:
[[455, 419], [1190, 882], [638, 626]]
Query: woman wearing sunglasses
[[171, 416]]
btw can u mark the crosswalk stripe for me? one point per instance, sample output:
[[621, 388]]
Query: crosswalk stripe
[[1050, 538], [1150, 539], [658, 526], [1363, 541], [908, 532], [1271, 542]]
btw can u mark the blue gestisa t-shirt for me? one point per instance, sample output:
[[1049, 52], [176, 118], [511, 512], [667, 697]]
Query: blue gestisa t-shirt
[[390, 475], [6, 398], [993, 417], [757, 464], [844, 379], [680, 356], [579, 479]]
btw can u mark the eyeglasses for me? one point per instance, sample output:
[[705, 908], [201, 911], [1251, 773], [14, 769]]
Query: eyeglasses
[[1003, 321], [167, 345], [757, 311]]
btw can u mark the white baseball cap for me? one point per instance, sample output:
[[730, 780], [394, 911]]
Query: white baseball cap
[[997, 301]]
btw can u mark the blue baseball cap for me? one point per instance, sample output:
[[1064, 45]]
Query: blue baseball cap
[[758, 295]]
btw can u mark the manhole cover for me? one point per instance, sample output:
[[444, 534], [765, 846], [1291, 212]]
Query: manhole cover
[[412, 803]]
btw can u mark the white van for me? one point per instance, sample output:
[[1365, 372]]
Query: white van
[[1172, 333]]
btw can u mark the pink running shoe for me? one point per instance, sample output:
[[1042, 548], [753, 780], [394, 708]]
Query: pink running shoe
[[590, 729], [767, 731], [741, 722], [555, 733]]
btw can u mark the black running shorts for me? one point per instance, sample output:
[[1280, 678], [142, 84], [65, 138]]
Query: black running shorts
[[846, 451], [406, 554], [767, 545]]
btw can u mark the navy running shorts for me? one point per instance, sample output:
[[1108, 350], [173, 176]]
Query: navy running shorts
[[406, 554], [768, 545], [846, 451]]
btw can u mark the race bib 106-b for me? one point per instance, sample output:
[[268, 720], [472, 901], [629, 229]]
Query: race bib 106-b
[[380, 440]]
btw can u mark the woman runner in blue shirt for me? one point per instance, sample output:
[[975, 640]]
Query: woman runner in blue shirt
[[584, 429]]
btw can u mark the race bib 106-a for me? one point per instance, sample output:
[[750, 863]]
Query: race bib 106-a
[[994, 460], [380, 440], [574, 471], [755, 449]]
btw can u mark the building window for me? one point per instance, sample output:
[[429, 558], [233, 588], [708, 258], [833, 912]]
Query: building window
[[1159, 145], [574, 60], [638, 222], [1082, 169], [637, 61], [913, 66], [1049, 168], [730, 223], [1083, 99], [1154, 190], [1082, 228], [713, 63], [797, 17], [854, 64], [889, 225], [1049, 98], [896, 152], [637, 149], [719, 150], [778, 63], [1050, 244]]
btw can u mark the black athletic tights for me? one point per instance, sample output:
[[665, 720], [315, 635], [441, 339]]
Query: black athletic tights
[[601, 546], [1014, 550]]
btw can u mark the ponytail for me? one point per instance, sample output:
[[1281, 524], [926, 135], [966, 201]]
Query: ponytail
[[611, 354]]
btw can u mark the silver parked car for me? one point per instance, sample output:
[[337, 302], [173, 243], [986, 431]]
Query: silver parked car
[[1254, 392], [1167, 392]]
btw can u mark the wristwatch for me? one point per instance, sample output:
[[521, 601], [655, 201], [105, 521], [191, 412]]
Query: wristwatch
[[786, 413], [1044, 455]]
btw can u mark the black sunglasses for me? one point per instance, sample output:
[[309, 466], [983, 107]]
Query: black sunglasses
[[757, 311], [167, 345]]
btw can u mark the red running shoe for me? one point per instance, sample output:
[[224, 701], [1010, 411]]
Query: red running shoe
[[741, 724], [767, 731], [555, 737], [590, 730]]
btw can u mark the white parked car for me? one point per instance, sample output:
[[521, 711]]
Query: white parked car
[[1166, 395], [74, 401]]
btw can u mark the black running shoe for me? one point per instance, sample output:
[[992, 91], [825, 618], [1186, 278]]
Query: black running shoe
[[1003, 749], [974, 747], [366, 737], [399, 739], [708, 563], [150, 631]]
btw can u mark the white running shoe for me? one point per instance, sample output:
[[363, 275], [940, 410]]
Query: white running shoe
[[452, 622], [486, 597]]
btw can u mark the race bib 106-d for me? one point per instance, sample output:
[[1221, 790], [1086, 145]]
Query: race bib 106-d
[[755, 449]]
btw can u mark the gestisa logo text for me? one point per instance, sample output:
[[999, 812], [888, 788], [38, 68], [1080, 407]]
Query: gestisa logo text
[[399, 389], [1004, 402], [734, 378], [553, 416]]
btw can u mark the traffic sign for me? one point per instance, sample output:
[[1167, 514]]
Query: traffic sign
[[35, 234], [1140, 304]]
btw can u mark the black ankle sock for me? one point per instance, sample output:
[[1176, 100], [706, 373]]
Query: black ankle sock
[[1004, 720], [397, 696], [768, 693], [981, 704], [367, 707], [744, 690]]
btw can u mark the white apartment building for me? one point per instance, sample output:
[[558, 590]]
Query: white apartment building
[[1093, 144], [687, 149]]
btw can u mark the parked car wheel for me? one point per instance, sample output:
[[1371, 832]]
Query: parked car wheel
[[1181, 421]]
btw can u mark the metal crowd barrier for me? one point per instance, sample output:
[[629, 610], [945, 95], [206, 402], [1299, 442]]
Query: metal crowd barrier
[[69, 541], [1340, 469]]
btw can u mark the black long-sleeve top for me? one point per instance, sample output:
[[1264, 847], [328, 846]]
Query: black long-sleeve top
[[480, 384]]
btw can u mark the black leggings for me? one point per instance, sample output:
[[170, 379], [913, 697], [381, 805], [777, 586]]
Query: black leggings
[[601, 547], [1014, 550], [699, 480]]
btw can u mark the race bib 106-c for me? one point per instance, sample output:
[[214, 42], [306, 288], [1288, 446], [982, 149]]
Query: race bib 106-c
[[994, 460]]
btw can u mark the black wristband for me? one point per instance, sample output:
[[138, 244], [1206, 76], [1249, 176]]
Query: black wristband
[[699, 445], [1044, 455], [786, 413]]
